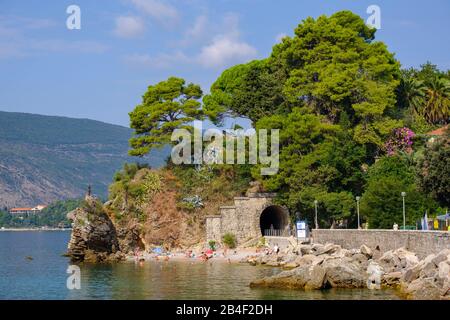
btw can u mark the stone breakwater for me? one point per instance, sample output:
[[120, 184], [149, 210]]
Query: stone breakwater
[[319, 266]]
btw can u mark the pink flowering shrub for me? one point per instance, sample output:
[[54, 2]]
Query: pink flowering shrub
[[401, 140]]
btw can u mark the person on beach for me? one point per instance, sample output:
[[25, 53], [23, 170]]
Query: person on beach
[[276, 249]]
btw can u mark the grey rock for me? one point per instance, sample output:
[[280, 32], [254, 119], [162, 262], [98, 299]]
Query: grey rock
[[343, 273], [317, 278], [365, 250]]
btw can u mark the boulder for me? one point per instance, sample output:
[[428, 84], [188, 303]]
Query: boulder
[[365, 250], [429, 270], [341, 253], [361, 259], [392, 278], [320, 259], [329, 248], [343, 273], [307, 259], [290, 265], [289, 258], [444, 270], [316, 278], [376, 253], [407, 258], [445, 291], [387, 261], [292, 279], [273, 263], [412, 273], [441, 256], [423, 289]]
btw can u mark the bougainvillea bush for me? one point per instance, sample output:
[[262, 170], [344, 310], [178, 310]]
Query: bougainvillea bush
[[401, 140]]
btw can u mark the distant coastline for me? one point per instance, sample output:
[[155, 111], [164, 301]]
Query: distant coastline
[[35, 229]]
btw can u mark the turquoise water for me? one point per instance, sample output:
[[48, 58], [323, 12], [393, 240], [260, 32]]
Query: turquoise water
[[44, 276]]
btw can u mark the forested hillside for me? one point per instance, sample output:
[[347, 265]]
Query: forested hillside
[[45, 158]]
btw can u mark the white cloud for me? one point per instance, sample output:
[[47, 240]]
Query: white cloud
[[199, 28], [26, 23], [227, 48], [26, 47], [64, 46], [17, 39], [129, 26], [157, 9], [280, 37], [222, 46], [224, 51], [162, 61]]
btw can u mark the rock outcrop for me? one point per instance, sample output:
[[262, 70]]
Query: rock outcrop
[[323, 266], [94, 237]]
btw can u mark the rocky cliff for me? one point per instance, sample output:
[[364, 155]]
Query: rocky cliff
[[149, 208], [94, 236]]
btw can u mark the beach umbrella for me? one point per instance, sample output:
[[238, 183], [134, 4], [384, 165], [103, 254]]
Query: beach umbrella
[[158, 250], [424, 221], [444, 217]]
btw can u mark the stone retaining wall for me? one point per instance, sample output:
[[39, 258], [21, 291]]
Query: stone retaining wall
[[421, 242], [240, 219]]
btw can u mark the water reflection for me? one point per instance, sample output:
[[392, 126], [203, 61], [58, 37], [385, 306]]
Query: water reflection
[[197, 280]]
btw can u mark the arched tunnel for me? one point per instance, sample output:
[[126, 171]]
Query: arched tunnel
[[273, 218]]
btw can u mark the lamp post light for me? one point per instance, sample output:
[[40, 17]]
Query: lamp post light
[[357, 209], [315, 219], [404, 214]]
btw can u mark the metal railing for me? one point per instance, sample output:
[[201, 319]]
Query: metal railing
[[277, 232]]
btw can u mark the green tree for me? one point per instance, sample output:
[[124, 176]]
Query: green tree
[[425, 95], [331, 65], [251, 90], [318, 161], [339, 69], [166, 106], [381, 203], [434, 170], [412, 93], [437, 106]]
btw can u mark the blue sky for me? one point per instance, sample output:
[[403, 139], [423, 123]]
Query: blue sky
[[101, 71]]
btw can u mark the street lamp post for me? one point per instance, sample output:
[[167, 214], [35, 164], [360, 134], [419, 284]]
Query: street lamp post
[[404, 214], [357, 209], [315, 219]]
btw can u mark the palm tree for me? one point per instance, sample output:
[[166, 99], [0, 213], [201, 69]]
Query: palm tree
[[437, 106], [413, 92]]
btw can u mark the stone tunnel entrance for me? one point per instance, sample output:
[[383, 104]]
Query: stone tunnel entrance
[[274, 221]]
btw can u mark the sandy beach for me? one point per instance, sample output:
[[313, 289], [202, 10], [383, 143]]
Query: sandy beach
[[230, 256]]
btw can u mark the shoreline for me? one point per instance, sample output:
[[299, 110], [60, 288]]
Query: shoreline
[[233, 256], [33, 229]]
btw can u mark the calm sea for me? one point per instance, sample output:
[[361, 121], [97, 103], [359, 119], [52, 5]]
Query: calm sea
[[32, 267]]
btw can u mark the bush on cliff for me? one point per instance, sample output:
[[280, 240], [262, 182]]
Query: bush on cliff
[[229, 240]]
